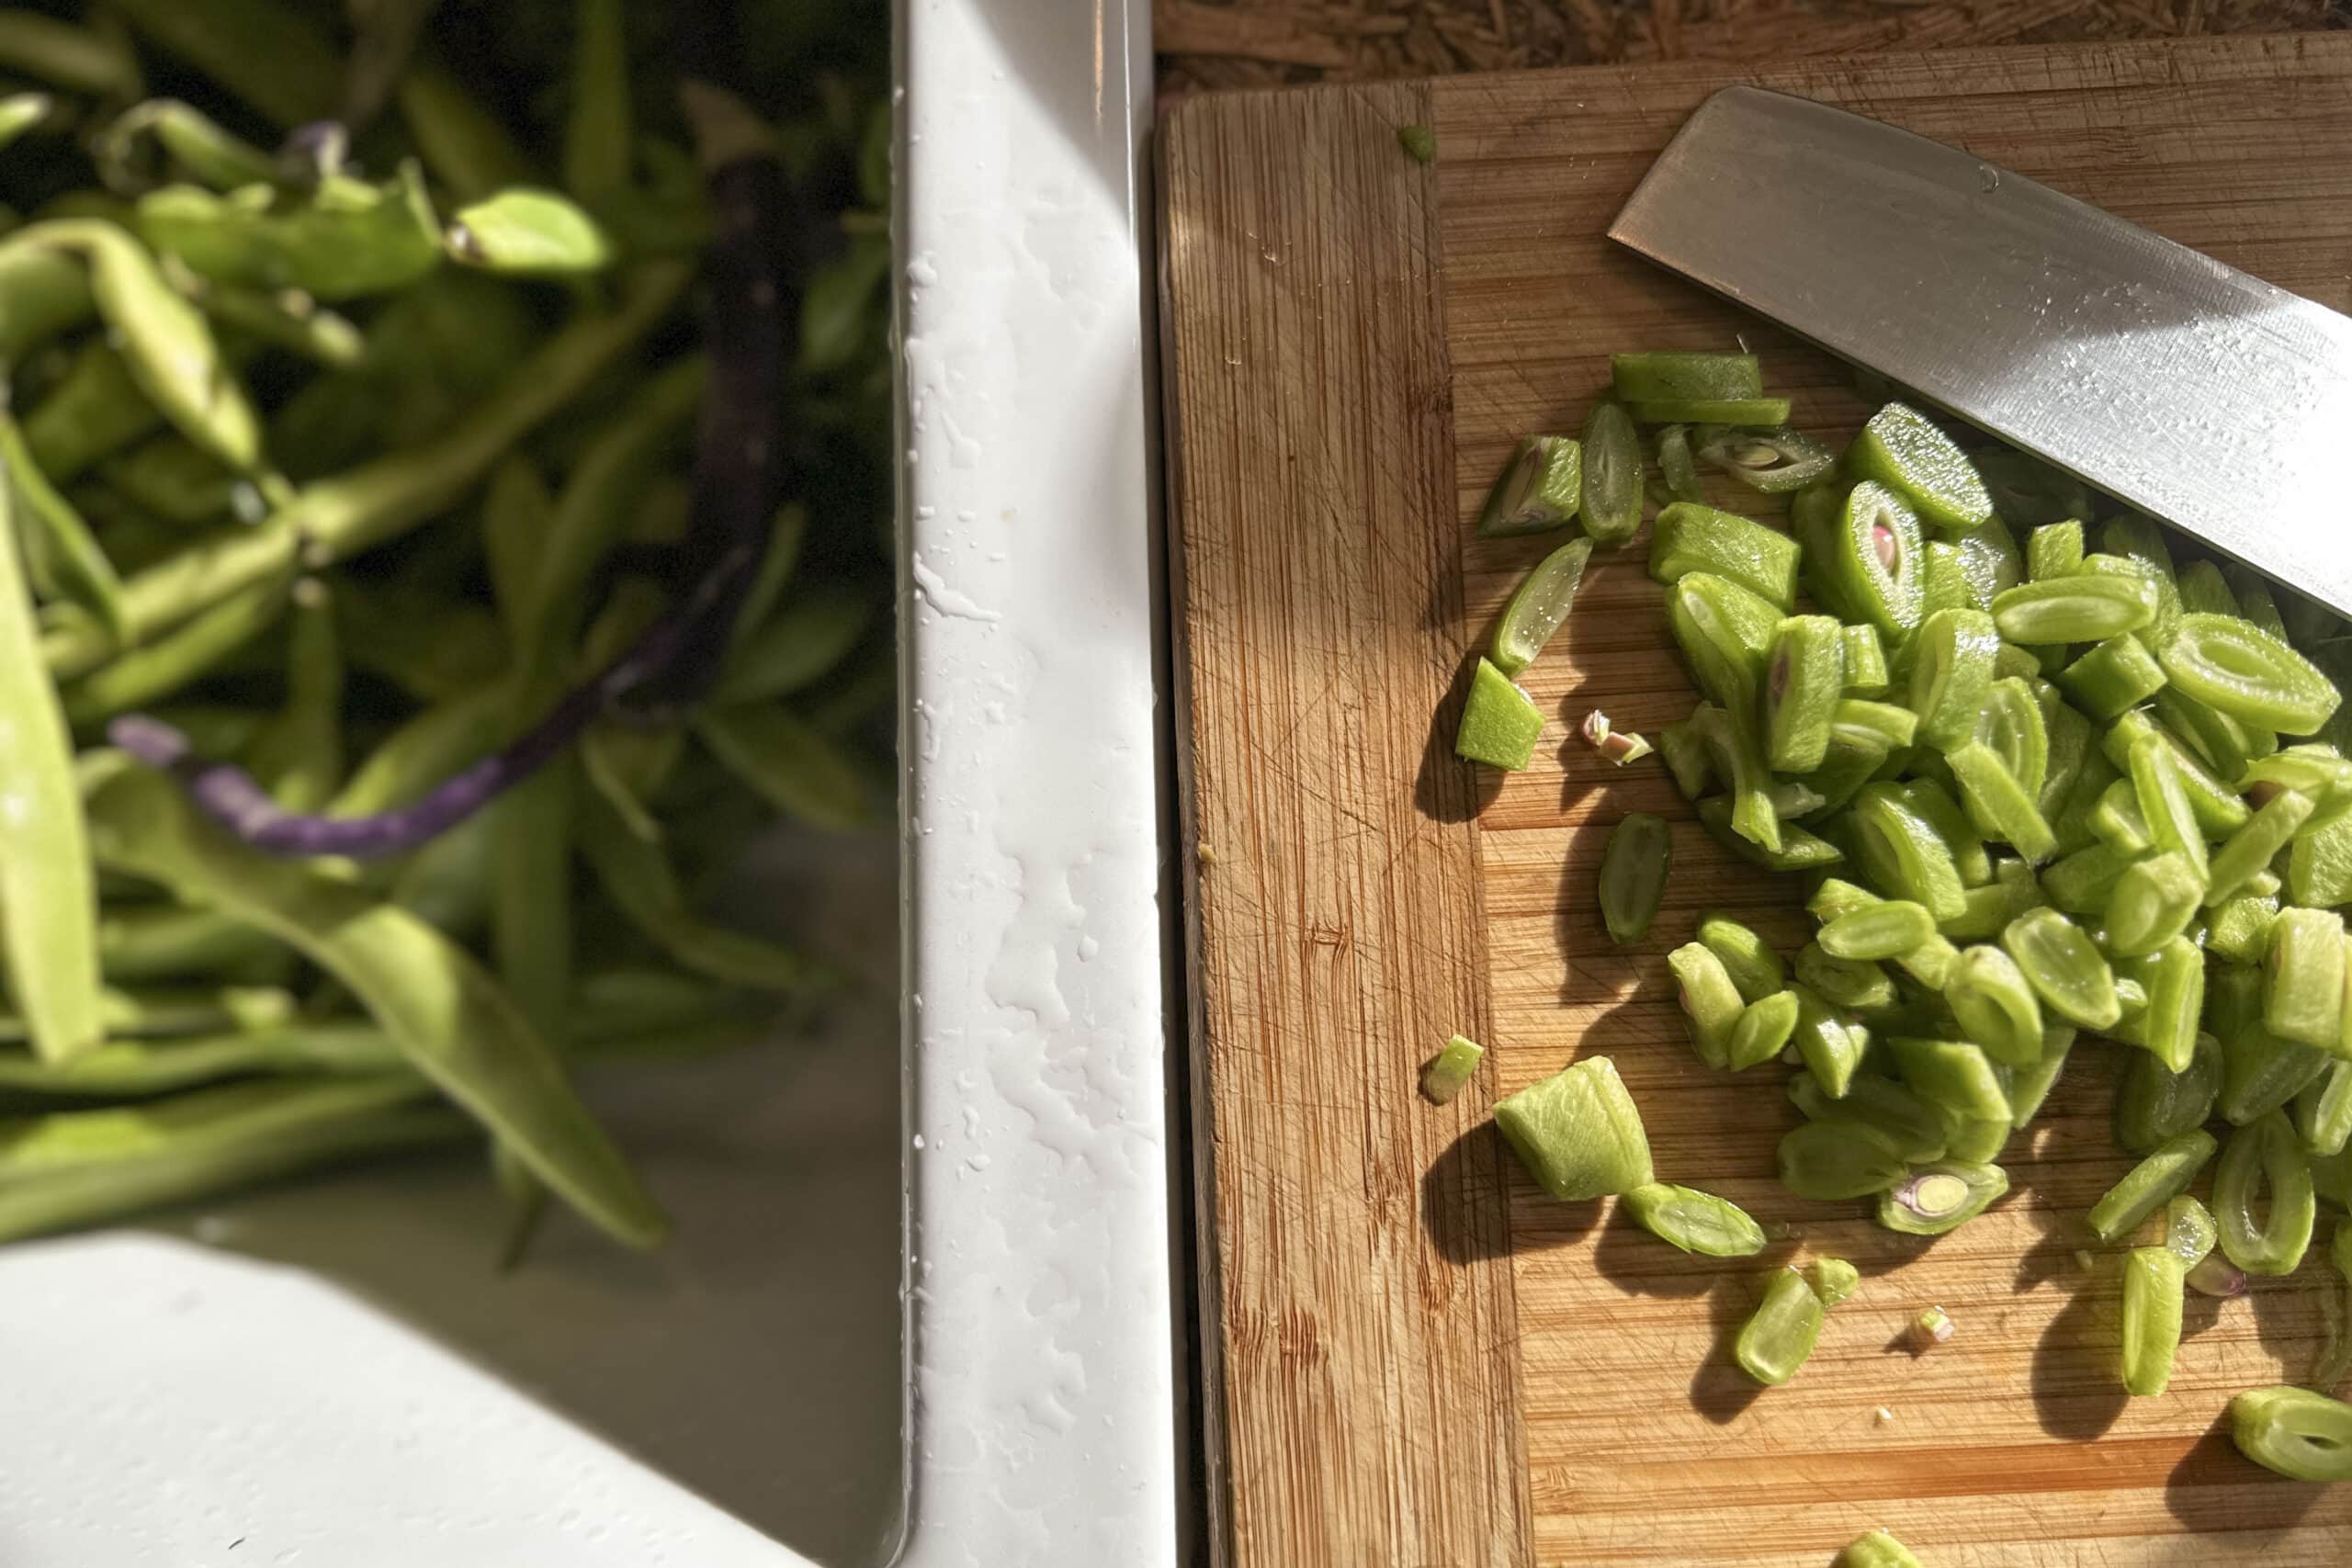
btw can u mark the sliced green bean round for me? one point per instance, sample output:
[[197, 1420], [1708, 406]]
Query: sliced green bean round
[[1763, 1027], [2154, 1181], [1539, 605], [2262, 1166], [2072, 609], [1838, 1158], [1774, 1342], [1610, 488], [1694, 1221], [2065, 970], [1633, 871], [1538, 490], [2153, 1289], [1989, 994], [2248, 674], [2301, 1435]]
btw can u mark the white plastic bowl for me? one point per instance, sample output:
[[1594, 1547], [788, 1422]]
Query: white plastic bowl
[[332, 1375]]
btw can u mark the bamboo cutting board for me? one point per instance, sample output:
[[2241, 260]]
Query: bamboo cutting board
[[1412, 1356]]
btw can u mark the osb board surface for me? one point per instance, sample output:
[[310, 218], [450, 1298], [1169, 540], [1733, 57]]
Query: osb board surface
[[1363, 1332]]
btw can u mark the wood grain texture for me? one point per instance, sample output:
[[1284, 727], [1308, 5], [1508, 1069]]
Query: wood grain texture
[[1640, 1443], [1367, 1395]]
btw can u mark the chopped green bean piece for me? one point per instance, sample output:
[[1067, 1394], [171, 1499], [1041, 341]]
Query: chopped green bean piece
[[2083, 882], [1944, 1195], [1774, 1342], [2080, 608], [1450, 1070], [1885, 929], [1833, 1279], [2189, 1231], [1667, 376], [1686, 754], [1838, 1158], [1864, 670], [2323, 1110], [2119, 822], [1944, 584], [2175, 1001], [1893, 1116], [2030, 1087], [2319, 867], [1724, 631], [1897, 840], [1764, 1027], [2237, 931], [2217, 807], [2055, 550], [1999, 804], [2064, 968], [1952, 671], [1754, 967], [1989, 994], [1804, 670], [2264, 1161], [2229, 745], [1419, 142], [1674, 461], [1870, 559], [2116, 674], [2154, 1181], [1709, 1000], [2157, 1105], [2301, 1435], [1539, 605], [1954, 1074], [1500, 723], [2256, 601], [1539, 488], [2262, 1072], [2153, 1289], [1578, 1132], [2173, 828], [2303, 978], [1879, 726], [1906, 451], [2252, 848], [1832, 1046], [1694, 1221], [1799, 850], [2153, 903], [1774, 462], [1876, 1550], [2240, 669], [1634, 869], [1610, 488], [1710, 410]]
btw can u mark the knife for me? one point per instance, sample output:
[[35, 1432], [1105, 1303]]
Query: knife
[[2189, 390]]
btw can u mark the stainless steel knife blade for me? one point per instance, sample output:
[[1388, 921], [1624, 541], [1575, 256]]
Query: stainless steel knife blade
[[2190, 390]]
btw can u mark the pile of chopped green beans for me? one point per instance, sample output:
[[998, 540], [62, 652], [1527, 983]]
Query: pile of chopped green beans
[[2043, 774], [440, 464]]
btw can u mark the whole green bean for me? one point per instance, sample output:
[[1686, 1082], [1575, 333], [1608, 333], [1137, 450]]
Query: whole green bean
[[131, 1070], [207, 151], [182, 655], [299, 756], [66, 56], [341, 516], [169, 350], [789, 765], [43, 293], [61, 556], [157, 1013], [529, 234], [347, 239], [194, 1146], [290, 82], [433, 999], [640, 882], [806, 640], [94, 412], [164, 941], [428, 748], [48, 902]]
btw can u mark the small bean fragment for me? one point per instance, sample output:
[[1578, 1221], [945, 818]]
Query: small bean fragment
[[1877, 1550], [2304, 975], [1944, 1195], [1709, 999], [1753, 966], [1833, 1279], [1450, 1070], [1539, 488], [1763, 1027]]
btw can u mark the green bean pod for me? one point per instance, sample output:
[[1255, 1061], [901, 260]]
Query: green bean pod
[[1946, 1194], [61, 557], [133, 1069], [433, 999], [2264, 1161], [95, 411], [2217, 806], [206, 151], [299, 756], [49, 904], [2237, 931], [1738, 755], [180, 656]]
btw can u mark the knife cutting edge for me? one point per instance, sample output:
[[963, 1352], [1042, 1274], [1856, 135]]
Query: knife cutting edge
[[2187, 389]]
